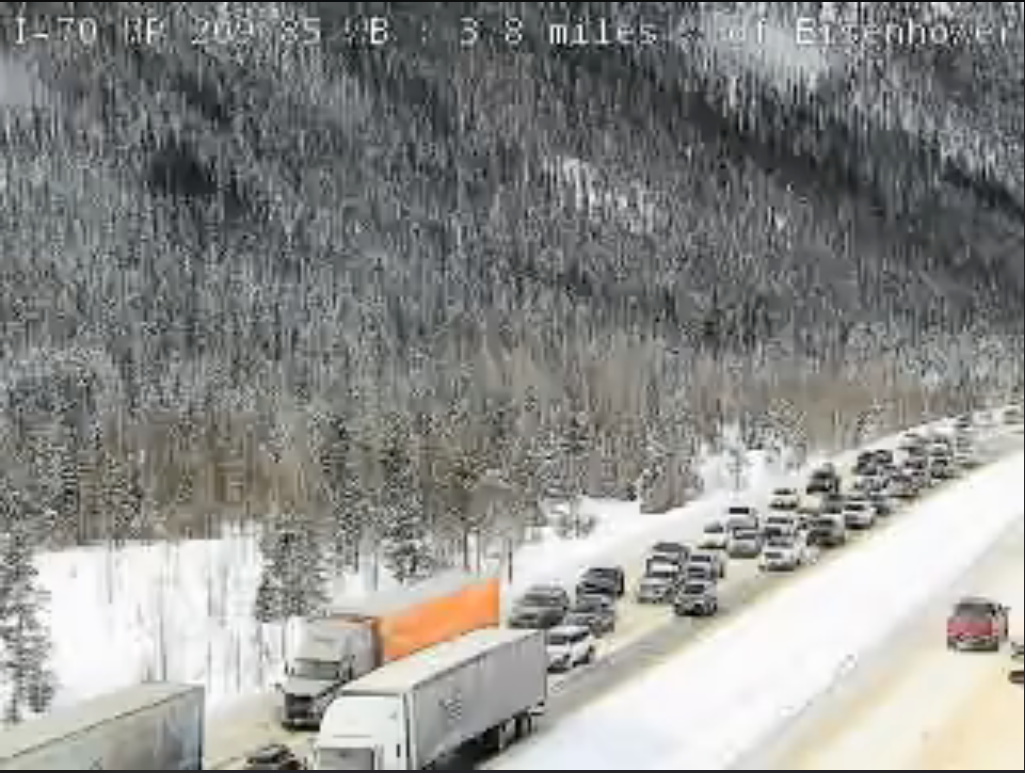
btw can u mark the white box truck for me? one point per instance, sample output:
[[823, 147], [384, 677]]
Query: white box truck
[[153, 726], [487, 686]]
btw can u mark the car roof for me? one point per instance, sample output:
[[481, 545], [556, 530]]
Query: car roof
[[546, 589], [592, 600], [570, 630], [698, 585], [977, 601], [269, 752]]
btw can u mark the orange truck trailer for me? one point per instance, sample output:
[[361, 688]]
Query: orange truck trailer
[[352, 641]]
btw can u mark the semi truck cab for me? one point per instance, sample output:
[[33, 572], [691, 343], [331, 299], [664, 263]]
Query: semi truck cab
[[485, 688], [365, 732], [331, 654]]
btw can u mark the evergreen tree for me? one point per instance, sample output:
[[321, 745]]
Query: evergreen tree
[[404, 527], [25, 646], [576, 446], [337, 451], [294, 578]]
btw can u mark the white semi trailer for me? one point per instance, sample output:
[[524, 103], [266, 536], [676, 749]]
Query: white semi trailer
[[151, 726], [486, 686]]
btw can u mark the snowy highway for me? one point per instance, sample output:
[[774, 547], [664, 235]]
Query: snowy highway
[[918, 706]]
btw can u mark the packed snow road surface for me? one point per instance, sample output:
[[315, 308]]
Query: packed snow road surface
[[918, 706], [733, 688]]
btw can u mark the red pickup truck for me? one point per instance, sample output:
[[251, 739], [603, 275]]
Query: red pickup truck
[[978, 624]]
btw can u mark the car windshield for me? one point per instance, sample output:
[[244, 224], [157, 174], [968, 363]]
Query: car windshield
[[560, 638], [739, 510], [667, 547], [715, 528], [784, 492], [974, 610], [540, 599], [695, 588], [779, 544], [322, 670], [590, 605], [601, 572], [345, 759]]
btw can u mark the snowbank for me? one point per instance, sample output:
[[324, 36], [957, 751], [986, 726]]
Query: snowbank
[[173, 610], [771, 662]]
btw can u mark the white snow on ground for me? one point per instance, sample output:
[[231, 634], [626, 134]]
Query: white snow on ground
[[895, 716], [772, 661], [176, 610], [183, 611]]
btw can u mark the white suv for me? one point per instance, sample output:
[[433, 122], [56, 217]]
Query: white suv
[[570, 646], [782, 556], [715, 537], [858, 514]]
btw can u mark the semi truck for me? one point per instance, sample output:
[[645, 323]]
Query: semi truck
[[153, 726], [488, 686], [352, 641]]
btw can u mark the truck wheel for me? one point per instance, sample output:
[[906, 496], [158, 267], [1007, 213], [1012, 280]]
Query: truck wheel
[[497, 738], [524, 726]]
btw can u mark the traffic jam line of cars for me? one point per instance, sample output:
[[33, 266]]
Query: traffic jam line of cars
[[798, 526]]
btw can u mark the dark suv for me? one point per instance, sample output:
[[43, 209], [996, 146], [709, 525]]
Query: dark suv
[[541, 607], [696, 599], [275, 756], [597, 613], [602, 581]]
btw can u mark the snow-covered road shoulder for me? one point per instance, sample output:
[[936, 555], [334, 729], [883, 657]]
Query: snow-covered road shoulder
[[772, 662]]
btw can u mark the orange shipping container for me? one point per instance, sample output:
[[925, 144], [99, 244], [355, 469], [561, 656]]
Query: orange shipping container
[[438, 619], [413, 618]]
